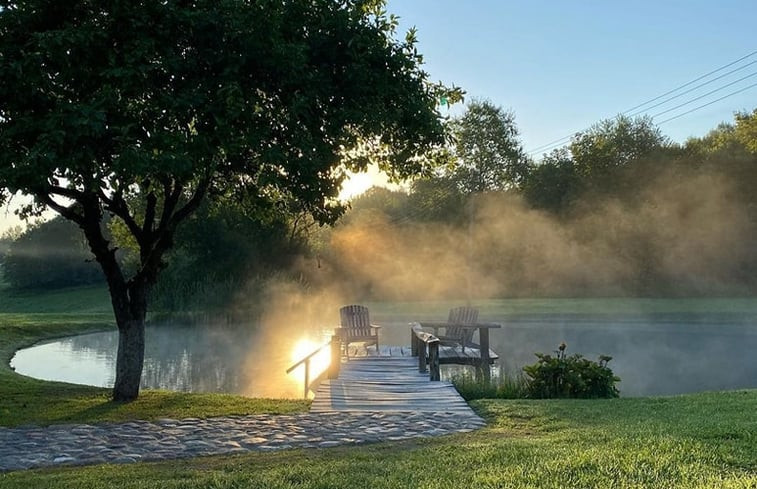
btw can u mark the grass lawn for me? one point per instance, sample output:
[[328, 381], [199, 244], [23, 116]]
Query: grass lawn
[[514, 307], [30, 317], [697, 441]]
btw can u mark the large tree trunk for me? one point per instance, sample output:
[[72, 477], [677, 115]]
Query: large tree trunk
[[130, 308], [129, 361]]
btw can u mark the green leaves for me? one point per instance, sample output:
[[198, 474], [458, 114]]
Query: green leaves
[[563, 376], [490, 156]]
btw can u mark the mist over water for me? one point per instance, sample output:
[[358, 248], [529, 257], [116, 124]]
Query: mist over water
[[654, 354]]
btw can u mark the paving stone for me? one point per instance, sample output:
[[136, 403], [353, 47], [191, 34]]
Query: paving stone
[[32, 446]]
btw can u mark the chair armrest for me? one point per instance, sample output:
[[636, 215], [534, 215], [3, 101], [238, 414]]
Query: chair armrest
[[376, 326]]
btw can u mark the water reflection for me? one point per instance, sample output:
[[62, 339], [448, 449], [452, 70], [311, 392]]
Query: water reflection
[[232, 359], [653, 354]]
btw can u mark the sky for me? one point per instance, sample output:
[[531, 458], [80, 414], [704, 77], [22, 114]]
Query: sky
[[562, 66]]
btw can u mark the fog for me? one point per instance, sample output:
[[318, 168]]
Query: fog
[[673, 236], [676, 237]]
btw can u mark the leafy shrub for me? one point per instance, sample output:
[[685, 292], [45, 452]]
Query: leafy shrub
[[563, 376]]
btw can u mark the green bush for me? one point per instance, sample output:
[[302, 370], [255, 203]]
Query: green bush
[[563, 376]]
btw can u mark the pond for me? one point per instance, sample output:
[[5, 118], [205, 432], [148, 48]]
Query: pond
[[653, 354]]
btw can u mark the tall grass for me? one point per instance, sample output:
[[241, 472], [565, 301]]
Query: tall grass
[[504, 386]]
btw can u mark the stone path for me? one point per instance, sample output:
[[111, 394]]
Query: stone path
[[80, 444]]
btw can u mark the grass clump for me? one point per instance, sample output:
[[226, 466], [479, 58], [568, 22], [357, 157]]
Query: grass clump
[[504, 386]]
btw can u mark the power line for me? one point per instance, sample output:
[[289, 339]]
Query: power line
[[704, 95], [692, 81], [558, 142], [693, 88], [708, 103]]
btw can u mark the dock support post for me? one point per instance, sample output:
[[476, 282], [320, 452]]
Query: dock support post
[[483, 336], [336, 357], [421, 357], [413, 343], [433, 360]]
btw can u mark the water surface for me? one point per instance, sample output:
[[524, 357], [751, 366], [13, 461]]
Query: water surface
[[653, 354]]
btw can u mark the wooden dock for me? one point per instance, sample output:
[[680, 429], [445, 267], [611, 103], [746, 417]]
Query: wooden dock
[[389, 382], [366, 377]]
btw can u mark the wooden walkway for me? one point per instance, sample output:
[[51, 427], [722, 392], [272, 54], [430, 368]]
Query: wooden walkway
[[387, 380]]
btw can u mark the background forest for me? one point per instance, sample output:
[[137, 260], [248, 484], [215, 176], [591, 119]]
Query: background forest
[[619, 211]]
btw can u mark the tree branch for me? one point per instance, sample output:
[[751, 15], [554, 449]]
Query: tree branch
[[119, 207], [152, 202], [66, 211]]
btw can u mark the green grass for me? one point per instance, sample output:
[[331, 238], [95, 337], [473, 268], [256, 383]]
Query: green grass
[[699, 441], [88, 300], [31, 317]]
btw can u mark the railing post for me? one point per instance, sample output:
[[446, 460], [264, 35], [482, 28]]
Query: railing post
[[433, 360], [413, 343], [421, 356], [307, 377], [336, 357]]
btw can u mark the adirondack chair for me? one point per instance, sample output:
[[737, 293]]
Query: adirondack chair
[[454, 334], [357, 327]]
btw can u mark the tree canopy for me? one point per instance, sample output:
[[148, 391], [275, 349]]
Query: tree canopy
[[489, 154], [142, 110]]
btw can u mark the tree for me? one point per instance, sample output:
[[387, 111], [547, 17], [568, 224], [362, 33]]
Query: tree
[[489, 154], [614, 143], [143, 110], [50, 254], [552, 184]]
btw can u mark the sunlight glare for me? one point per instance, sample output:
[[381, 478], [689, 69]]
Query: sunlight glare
[[357, 183], [318, 363]]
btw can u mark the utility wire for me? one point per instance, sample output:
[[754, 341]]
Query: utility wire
[[708, 103], [704, 95], [692, 81], [693, 88], [558, 142]]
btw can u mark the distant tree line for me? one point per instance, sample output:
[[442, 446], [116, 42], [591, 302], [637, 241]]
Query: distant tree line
[[680, 219], [227, 249]]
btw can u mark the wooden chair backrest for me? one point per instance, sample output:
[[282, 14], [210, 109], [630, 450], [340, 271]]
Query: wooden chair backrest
[[356, 320], [462, 315]]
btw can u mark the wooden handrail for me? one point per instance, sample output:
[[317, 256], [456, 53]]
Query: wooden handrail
[[483, 335], [333, 370], [308, 357]]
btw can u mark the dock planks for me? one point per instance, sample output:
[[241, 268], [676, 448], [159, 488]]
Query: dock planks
[[390, 382]]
